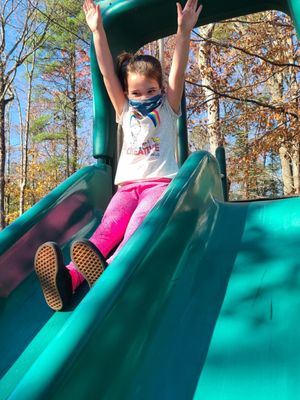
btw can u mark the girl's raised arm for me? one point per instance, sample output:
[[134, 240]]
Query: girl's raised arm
[[104, 57], [186, 20]]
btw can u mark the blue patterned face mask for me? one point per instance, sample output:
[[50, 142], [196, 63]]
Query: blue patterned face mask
[[146, 106]]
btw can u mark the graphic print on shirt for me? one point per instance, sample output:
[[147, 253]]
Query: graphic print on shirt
[[151, 146]]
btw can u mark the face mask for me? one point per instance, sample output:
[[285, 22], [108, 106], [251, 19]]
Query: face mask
[[146, 106]]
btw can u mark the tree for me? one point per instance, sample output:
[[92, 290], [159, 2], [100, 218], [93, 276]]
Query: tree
[[246, 56], [57, 77], [24, 133], [19, 20], [65, 71], [209, 79]]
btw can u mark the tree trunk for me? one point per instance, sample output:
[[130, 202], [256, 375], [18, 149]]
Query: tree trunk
[[286, 170], [212, 101], [2, 150], [161, 52], [276, 88], [2, 163], [295, 165], [73, 98], [295, 141], [24, 142]]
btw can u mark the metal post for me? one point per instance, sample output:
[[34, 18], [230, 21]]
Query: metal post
[[183, 151], [221, 157]]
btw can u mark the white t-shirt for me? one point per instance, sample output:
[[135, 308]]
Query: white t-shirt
[[149, 143]]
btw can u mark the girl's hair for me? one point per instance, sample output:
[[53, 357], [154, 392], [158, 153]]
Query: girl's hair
[[143, 64]]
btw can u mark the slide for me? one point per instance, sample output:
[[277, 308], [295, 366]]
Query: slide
[[201, 303]]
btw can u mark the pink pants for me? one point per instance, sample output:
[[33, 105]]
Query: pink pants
[[125, 212]]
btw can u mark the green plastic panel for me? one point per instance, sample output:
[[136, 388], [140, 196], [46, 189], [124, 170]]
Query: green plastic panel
[[294, 11], [58, 216], [70, 211]]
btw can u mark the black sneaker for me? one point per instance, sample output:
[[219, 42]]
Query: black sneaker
[[88, 260], [54, 277]]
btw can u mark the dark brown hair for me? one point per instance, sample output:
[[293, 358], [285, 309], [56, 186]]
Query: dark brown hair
[[143, 64]]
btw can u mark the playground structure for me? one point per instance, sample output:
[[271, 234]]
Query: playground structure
[[202, 302]]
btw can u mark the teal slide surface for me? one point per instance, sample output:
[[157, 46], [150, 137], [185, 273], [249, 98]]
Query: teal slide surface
[[202, 302]]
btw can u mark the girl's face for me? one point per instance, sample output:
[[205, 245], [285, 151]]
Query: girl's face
[[141, 87]]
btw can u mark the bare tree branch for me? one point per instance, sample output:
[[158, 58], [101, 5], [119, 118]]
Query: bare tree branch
[[240, 21], [53, 21], [246, 100], [20, 39], [245, 51]]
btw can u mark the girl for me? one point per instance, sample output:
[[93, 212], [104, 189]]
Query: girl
[[147, 164]]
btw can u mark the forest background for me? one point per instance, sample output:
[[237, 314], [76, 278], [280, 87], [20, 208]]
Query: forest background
[[241, 87]]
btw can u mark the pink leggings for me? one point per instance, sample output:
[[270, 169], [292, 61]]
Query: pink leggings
[[125, 212]]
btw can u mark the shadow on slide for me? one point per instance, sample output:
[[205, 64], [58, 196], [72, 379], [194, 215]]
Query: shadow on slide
[[202, 302]]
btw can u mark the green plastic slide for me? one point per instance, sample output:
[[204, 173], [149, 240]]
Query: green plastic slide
[[202, 302]]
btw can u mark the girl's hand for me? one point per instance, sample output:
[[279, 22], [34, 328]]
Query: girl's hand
[[188, 17], [92, 15]]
